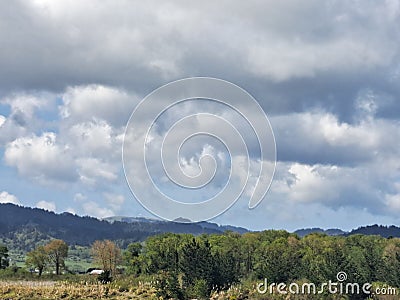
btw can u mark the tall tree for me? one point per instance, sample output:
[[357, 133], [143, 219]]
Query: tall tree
[[196, 262], [391, 258], [37, 258], [108, 254], [3, 257], [57, 251], [132, 259], [161, 252]]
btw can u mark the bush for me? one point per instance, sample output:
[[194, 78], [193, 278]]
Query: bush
[[105, 277], [167, 286], [199, 289], [15, 273]]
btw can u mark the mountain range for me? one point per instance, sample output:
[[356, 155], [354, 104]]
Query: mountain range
[[24, 227]]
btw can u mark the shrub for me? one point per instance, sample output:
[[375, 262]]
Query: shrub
[[105, 277]]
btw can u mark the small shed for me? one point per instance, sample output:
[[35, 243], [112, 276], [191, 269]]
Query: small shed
[[96, 272]]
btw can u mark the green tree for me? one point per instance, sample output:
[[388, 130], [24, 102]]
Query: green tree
[[225, 269], [357, 265], [196, 262], [132, 258], [161, 252], [279, 260], [390, 272], [168, 287], [37, 258], [3, 257], [249, 243], [57, 251]]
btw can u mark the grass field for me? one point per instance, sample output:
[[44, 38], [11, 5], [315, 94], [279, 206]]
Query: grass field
[[131, 289], [78, 260], [38, 290]]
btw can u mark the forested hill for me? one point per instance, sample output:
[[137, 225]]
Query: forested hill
[[25, 227], [28, 226], [384, 231], [331, 232]]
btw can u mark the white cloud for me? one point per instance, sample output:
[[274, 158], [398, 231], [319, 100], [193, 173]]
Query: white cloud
[[85, 103], [78, 197], [71, 210], [335, 187], [86, 147], [392, 200], [115, 201], [92, 138], [47, 205], [307, 183], [91, 170], [345, 153], [41, 158], [26, 104], [393, 203], [2, 120], [321, 137], [22, 118], [93, 209], [5, 197]]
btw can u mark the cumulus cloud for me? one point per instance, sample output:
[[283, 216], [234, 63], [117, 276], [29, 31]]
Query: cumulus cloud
[[91, 170], [392, 200], [141, 46], [320, 137], [46, 205], [84, 146], [41, 158], [95, 138], [325, 73], [24, 105], [5, 197], [94, 209], [88, 102], [2, 120], [78, 197], [22, 118], [115, 201]]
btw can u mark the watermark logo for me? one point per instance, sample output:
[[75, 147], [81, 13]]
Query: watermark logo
[[331, 287], [341, 276], [194, 146]]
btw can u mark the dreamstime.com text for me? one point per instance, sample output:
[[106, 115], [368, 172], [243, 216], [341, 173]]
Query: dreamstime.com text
[[337, 287]]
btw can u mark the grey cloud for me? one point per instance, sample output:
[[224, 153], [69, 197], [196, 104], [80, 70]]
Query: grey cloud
[[290, 55], [294, 57], [320, 137]]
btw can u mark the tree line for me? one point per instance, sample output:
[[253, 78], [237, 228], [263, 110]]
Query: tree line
[[185, 265], [54, 253]]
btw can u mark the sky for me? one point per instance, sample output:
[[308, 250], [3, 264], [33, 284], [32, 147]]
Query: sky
[[326, 73]]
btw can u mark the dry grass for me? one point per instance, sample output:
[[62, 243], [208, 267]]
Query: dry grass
[[39, 290], [35, 290]]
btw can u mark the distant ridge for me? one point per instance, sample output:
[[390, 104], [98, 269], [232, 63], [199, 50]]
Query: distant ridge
[[331, 232], [381, 230], [204, 225], [384, 231], [25, 227]]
